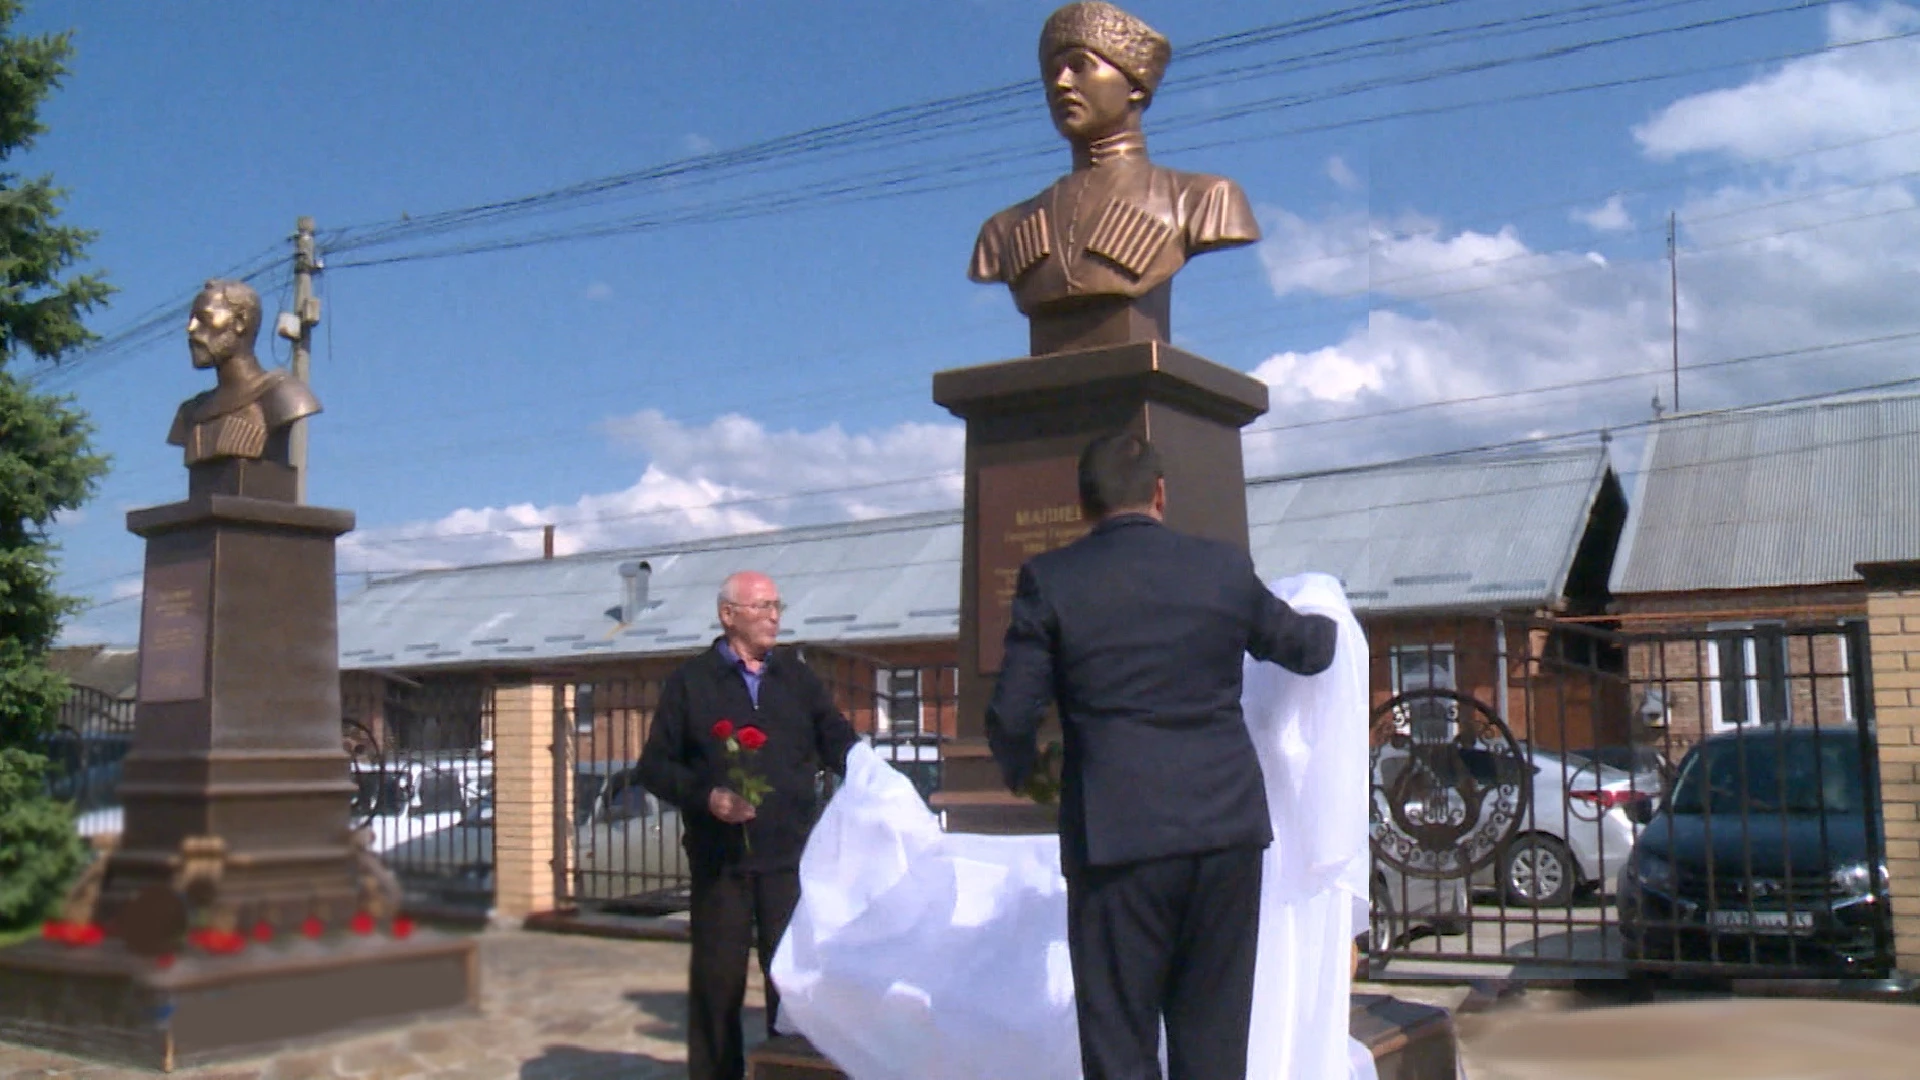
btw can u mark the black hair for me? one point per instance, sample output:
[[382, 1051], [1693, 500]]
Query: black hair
[[1118, 472]]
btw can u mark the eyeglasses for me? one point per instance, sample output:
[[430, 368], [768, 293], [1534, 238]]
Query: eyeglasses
[[761, 606]]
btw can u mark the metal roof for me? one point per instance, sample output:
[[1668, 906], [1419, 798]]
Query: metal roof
[[1787, 495], [896, 579], [1458, 533], [1481, 533]]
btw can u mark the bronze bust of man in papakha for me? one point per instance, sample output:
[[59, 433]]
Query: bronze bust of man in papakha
[[1117, 228], [246, 414]]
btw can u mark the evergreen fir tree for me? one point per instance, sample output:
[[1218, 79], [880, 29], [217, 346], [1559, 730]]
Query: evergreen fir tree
[[47, 466]]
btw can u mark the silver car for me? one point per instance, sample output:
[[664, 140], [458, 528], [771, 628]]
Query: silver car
[[1582, 819]]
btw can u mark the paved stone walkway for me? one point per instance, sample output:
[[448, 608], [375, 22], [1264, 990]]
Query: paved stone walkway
[[558, 1007], [553, 1007]]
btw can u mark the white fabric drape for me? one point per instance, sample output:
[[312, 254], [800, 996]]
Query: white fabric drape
[[918, 953]]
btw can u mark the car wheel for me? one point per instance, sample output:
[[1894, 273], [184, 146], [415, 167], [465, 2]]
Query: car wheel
[[1538, 871], [1383, 922]]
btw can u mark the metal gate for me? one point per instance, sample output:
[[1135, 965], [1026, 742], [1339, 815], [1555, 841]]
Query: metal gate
[[618, 848], [420, 754], [1584, 802]]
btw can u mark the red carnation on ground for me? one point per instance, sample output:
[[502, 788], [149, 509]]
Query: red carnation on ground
[[313, 927], [263, 931], [402, 927], [89, 934], [56, 930], [723, 729], [362, 923], [752, 738], [163, 961]]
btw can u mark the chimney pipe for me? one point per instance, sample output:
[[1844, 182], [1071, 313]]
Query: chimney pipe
[[634, 578], [547, 542]]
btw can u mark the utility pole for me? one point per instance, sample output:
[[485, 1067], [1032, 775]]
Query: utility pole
[[298, 328], [1673, 301]]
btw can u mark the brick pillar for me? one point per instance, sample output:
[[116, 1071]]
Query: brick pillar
[[1893, 616], [523, 799]]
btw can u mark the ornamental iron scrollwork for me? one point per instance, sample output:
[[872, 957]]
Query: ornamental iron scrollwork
[[376, 789], [1450, 784]]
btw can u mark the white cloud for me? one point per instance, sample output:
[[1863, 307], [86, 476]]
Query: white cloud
[[597, 291], [1342, 174], [1852, 95], [1610, 216], [128, 589], [722, 478], [1784, 254], [697, 145]]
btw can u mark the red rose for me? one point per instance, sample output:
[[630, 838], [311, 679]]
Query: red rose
[[362, 923], [262, 932], [90, 934], [56, 930], [402, 927], [752, 738], [723, 729], [313, 927]]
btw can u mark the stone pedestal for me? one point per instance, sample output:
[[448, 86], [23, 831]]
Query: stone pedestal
[[108, 1004], [237, 728], [237, 818], [1027, 421]]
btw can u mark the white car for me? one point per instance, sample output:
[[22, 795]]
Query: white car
[[1578, 829]]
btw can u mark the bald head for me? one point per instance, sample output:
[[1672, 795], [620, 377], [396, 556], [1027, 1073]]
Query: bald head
[[750, 609]]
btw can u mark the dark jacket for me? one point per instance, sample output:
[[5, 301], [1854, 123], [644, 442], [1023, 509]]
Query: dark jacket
[[1139, 634], [683, 762]]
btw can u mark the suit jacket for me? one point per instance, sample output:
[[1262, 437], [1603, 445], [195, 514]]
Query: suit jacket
[[682, 762], [1138, 633]]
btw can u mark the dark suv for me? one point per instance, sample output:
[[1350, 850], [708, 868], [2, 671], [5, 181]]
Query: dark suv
[[1762, 856]]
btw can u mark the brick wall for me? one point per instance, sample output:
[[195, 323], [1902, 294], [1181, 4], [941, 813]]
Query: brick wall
[[523, 810], [1893, 613]]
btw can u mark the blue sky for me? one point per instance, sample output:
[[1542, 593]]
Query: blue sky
[[1443, 222]]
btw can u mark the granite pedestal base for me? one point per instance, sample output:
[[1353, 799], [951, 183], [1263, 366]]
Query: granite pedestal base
[[106, 1003], [1409, 1042]]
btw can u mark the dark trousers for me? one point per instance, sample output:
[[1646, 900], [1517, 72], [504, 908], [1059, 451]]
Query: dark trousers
[[1170, 938], [732, 912]]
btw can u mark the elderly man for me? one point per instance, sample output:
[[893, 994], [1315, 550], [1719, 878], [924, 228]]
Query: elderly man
[[741, 733]]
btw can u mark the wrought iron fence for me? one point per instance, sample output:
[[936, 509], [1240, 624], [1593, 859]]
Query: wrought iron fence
[[84, 753], [1580, 801], [420, 753], [618, 849]]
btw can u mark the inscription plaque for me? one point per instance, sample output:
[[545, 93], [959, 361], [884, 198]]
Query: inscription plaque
[[173, 632], [1026, 508]]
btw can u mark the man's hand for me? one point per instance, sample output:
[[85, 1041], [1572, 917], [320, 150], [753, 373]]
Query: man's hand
[[729, 806]]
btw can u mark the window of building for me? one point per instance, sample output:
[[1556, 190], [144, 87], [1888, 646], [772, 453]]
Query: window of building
[[1422, 667], [1746, 677], [896, 702]]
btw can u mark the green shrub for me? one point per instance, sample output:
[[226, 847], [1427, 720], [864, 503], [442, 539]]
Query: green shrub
[[40, 854]]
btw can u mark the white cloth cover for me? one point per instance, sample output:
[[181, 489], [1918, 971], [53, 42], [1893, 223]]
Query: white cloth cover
[[918, 953]]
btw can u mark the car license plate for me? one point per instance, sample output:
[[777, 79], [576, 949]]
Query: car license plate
[[1762, 920]]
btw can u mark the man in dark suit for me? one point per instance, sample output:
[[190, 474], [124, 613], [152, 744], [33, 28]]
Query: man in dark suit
[[1138, 634], [745, 857]]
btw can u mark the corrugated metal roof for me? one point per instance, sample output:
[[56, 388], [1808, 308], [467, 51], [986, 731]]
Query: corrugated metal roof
[[1483, 533], [1486, 532], [1788, 495], [896, 579]]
